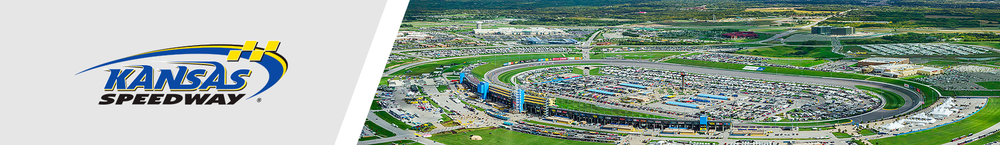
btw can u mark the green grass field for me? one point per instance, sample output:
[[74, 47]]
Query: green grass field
[[442, 88], [802, 63], [929, 95], [841, 135], [375, 105], [596, 72], [637, 55], [941, 63], [990, 85], [577, 71], [892, 100], [792, 51], [384, 81], [379, 131], [586, 107], [913, 77], [866, 132], [505, 76], [977, 122], [388, 118], [502, 137]]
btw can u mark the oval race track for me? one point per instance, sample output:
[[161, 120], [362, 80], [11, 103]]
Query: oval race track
[[912, 98]]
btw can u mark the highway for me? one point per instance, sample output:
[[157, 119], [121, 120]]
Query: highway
[[913, 100], [790, 31]]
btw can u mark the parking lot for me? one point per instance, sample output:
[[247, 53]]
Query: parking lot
[[646, 90], [759, 61], [417, 40], [925, 49], [963, 77]]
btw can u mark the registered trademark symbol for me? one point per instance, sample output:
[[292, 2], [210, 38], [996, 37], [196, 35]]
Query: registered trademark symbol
[[258, 100]]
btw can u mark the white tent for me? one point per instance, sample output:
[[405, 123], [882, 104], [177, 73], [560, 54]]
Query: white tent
[[943, 110], [894, 125]]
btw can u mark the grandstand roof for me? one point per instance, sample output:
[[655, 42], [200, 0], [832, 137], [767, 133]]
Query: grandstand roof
[[682, 104], [632, 85], [602, 92]]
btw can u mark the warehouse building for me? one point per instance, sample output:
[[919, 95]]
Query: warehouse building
[[830, 30], [929, 71], [901, 70], [842, 31], [882, 60]]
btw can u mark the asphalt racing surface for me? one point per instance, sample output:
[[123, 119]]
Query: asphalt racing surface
[[912, 99]]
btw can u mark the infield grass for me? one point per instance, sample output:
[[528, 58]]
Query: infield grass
[[637, 55], [989, 85], [802, 63], [892, 100]]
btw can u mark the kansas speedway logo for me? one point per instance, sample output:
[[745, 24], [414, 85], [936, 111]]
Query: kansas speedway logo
[[190, 75]]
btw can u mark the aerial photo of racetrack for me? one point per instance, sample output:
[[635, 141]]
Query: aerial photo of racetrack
[[879, 72]]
